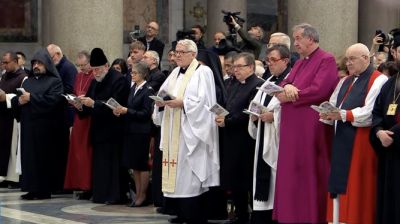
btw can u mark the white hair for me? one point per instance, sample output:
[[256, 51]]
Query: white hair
[[284, 37], [190, 45], [154, 55]]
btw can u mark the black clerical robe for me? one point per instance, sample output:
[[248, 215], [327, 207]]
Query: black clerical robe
[[8, 83], [44, 133], [106, 133], [237, 155], [388, 194]]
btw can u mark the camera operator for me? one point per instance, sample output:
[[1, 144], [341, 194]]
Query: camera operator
[[150, 40], [198, 33], [251, 40]]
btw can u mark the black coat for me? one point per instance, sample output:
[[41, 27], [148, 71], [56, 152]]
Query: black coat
[[8, 83], [155, 45], [388, 194], [140, 107], [237, 155], [155, 79], [105, 126], [44, 133], [107, 135], [67, 72]]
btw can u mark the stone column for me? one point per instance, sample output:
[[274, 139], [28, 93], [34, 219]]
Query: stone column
[[214, 15], [176, 15], [336, 21], [77, 25], [377, 15]]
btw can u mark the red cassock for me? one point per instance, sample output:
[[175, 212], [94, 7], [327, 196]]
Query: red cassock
[[79, 167]]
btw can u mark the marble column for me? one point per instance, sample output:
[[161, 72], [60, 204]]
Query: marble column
[[77, 25], [336, 21], [377, 15], [214, 15]]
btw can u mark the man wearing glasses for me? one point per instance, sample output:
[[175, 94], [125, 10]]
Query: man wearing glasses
[[354, 163], [189, 135], [150, 40], [238, 146]]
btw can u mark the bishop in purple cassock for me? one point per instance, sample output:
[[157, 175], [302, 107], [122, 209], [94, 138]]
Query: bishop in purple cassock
[[304, 147]]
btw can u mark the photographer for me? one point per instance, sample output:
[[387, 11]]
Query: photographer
[[251, 41]]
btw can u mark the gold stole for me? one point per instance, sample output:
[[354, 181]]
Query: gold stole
[[170, 144]]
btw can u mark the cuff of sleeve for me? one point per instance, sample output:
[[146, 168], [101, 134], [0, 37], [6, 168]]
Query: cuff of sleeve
[[237, 27], [8, 99], [349, 116]]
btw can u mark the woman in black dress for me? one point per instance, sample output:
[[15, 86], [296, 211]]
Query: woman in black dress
[[137, 116]]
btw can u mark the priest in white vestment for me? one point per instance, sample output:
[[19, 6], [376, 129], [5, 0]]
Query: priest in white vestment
[[265, 129], [189, 135]]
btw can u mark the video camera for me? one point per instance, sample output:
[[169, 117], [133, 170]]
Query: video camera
[[185, 34], [228, 20], [387, 39]]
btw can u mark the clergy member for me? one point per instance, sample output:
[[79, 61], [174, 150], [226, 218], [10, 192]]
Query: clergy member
[[238, 146], [354, 163], [304, 160], [385, 138], [39, 106], [189, 136], [265, 129], [106, 138], [11, 80], [79, 167]]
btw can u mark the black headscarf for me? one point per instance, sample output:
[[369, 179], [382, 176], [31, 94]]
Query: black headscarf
[[211, 59], [43, 56]]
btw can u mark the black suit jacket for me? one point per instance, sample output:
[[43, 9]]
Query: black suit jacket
[[140, 107], [155, 45], [155, 79]]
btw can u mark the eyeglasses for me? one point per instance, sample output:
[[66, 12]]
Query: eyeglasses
[[5, 62], [272, 60], [81, 65], [352, 59], [150, 27], [177, 53], [239, 66]]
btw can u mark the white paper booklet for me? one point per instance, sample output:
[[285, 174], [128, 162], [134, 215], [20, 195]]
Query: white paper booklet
[[255, 109], [112, 103], [270, 88], [217, 110], [71, 97], [325, 107], [162, 96]]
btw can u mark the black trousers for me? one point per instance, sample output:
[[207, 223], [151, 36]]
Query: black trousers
[[262, 217], [190, 210]]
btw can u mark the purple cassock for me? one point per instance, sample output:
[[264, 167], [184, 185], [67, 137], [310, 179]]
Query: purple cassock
[[305, 142]]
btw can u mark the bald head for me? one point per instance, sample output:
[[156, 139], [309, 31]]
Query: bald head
[[55, 53], [357, 58], [152, 30]]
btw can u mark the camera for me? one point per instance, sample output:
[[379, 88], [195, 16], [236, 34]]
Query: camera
[[386, 38], [228, 20], [135, 34], [185, 34]]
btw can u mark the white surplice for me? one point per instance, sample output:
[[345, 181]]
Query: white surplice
[[270, 148], [198, 156]]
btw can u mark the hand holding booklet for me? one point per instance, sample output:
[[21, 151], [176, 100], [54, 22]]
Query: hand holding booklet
[[217, 110], [325, 107], [162, 96], [255, 109], [71, 97], [112, 103], [270, 88]]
